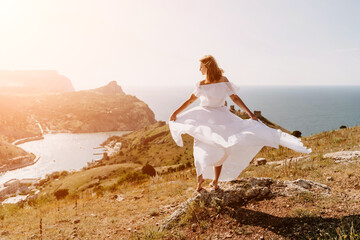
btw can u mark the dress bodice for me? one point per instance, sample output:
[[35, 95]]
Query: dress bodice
[[214, 95]]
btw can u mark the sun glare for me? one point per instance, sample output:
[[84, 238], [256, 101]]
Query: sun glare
[[8, 11]]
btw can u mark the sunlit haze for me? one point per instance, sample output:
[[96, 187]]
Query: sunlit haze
[[160, 42]]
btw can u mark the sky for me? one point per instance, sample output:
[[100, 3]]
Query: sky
[[160, 42]]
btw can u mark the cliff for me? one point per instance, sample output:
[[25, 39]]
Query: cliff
[[34, 81], [103, 109]]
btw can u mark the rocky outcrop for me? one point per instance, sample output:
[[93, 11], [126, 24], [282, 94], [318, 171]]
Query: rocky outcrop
[[344, 156], [238, 192], [24, 81], [111, 88]]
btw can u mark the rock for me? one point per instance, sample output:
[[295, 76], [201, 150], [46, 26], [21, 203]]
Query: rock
[[76, 221], [193, 226], [303, 183], [260, 161], [149, 170], [4, 233], [238, 192], [289, 161], [343, 156], [298, 186], [329, 179], [119, 197]]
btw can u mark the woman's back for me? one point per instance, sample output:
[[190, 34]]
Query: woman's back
[[214, 94]]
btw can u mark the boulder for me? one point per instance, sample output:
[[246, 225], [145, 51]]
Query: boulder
[[260, 161], [343, 156], [238, 192]]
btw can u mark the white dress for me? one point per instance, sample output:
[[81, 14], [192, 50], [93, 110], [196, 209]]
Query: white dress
[[221, 137]]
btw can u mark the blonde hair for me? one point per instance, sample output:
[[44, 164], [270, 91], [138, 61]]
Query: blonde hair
[[214, 73]]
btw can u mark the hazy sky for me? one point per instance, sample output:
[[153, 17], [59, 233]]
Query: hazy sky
[[262, 42]]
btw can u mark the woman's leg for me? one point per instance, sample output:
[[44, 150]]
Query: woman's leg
[[200, 180], [217, 171]]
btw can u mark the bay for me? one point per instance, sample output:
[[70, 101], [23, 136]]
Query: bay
[[60, 151]]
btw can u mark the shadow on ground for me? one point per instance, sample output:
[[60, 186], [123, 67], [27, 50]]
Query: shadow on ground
[[300, 227]]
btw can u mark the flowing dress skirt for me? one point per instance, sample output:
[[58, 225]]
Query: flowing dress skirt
[[222, 138]]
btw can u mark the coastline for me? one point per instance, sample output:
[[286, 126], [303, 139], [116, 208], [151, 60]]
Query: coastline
[[6, 168], [28, 139]]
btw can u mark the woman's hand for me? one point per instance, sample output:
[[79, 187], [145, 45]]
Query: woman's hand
[[173, 117]]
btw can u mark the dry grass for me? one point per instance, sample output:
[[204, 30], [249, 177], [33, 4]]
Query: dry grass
[[147, 203]]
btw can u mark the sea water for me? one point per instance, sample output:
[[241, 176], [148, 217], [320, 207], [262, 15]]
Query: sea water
[[309, 109]]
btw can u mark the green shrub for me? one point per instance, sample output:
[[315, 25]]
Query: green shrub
[[61, 193], [180, 167], [133, 176], [296, 133], [113, 187], [171, 169], [64, 173]]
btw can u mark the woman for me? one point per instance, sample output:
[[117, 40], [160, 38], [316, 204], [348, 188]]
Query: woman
[[224, 144]]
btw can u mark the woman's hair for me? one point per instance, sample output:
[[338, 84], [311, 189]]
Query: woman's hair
[[214, 73]]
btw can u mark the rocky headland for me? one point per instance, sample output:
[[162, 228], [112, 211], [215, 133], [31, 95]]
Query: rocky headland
[[104, 109], [33, 82]]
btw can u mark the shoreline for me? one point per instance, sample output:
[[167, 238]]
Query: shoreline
[[35, 160], [4, 168], [28, 139]]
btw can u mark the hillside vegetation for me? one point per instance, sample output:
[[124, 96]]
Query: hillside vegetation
[[115, 200], [104, 109]]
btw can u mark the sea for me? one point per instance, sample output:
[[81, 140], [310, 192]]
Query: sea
[[308, 109]]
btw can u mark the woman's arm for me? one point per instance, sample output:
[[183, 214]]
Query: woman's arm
[[183, 106], [236, 99]]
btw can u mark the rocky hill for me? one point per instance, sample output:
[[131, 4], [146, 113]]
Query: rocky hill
[[311, 196], [104, 109], [33, 81]]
